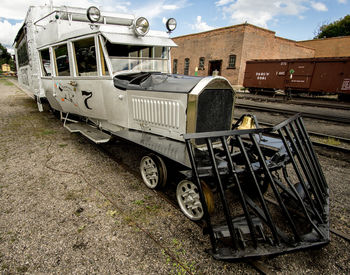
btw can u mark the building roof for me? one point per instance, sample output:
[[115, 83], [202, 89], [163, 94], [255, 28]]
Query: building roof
[[228, 28], [225, 28], [326, 39]]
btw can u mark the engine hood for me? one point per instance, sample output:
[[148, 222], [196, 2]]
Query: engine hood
[[170, 83], [157, 82]]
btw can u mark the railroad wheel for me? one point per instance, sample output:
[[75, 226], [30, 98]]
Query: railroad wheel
[[188, 198], [153, 171]]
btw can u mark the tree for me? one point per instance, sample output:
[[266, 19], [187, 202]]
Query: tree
[[5, 57], [339, 27]]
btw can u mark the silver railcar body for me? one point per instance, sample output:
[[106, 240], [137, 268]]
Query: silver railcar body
[[114, 75], [92, 94]]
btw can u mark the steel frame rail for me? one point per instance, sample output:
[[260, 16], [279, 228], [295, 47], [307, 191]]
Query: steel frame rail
[[303, 199]]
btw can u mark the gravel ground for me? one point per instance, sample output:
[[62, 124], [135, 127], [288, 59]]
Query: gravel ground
[[66, 207]]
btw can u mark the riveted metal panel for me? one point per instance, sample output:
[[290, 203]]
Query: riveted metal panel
[[156, 112]]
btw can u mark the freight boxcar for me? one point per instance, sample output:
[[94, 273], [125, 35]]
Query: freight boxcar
[[311, 75]]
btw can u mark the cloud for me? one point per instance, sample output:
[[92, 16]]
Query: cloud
[[170, 7], [154, 9], [8, 32], [319, 6], [260, 12], [223, 2], [201, 26], [17, 9], [342, 1], [11, 51]]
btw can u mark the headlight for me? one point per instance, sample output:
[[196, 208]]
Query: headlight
[[93, 14], [171, 24], [141, 26]]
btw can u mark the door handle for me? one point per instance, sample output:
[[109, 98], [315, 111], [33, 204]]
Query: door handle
[[73, 83]]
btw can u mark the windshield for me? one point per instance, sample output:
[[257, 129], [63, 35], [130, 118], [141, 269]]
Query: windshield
[[138, 58]]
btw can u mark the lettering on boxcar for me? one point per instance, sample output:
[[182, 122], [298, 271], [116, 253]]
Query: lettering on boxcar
[[261, 75], [346, 84]]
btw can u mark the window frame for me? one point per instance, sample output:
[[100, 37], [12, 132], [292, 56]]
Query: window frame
[[201, 66], [71, 73], [97, 57], [22, 53], [139, 58], [42, 64], [230, 66], [175, 63], [187, 68]]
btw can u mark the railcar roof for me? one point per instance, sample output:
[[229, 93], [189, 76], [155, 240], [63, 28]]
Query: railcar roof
[[57, 24]]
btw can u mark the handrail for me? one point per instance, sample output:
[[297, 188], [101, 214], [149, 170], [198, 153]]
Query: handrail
[[46, 16]]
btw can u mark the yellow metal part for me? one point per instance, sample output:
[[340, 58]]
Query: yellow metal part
[[247, 123], [209, 197]]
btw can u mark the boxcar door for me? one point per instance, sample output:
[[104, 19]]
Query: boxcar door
[[329, 76], [299, 75]]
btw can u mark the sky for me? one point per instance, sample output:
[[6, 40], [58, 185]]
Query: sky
[[291, 19]]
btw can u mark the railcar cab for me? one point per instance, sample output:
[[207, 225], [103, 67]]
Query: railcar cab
[[79, 59]]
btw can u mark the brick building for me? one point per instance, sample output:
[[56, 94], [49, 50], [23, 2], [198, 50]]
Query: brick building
[[329, 47], [227, 50]]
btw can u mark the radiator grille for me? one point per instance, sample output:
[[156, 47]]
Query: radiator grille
[[214, 110], [156, 112]]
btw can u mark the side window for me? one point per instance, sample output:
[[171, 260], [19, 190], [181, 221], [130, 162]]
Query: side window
[[232, 61], [62, 60], [175, 66], [45, 62], [22, 53], [187, 66], [201, 63], [85, 53]]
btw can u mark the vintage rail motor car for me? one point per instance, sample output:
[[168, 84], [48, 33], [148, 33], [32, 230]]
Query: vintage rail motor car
[[256, 191]]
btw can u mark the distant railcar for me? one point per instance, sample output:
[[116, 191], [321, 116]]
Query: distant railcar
[[311, 75]]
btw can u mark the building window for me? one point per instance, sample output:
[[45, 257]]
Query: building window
[[187, 66], [45, 62], [232, 61], [175, 66], [62, 60], [201, 63], [85, 53]]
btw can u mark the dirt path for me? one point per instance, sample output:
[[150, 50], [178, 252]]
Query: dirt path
[[66, 208]]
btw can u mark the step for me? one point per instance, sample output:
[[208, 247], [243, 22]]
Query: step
[[90, 132]]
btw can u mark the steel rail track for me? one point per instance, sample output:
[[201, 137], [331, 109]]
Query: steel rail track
[[338, 119], [319, 135], [340, 234], [295, 101]]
